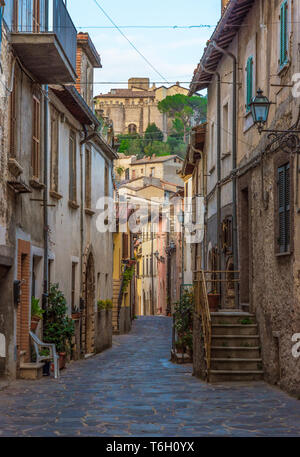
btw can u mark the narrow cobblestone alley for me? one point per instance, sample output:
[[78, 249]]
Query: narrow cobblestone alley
[[133, 390]]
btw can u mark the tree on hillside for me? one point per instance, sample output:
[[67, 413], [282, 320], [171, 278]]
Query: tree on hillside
[[184, 110], [153, 133], [157, 148]]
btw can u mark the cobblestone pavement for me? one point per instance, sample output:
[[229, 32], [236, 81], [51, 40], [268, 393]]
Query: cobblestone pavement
[[133, 390]]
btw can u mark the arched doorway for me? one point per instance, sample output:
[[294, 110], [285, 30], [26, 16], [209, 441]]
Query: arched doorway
[[90, 305]]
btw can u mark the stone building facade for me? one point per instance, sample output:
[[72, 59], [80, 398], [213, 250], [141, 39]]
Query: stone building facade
[[252, 175], [52, 160], [133, 109]]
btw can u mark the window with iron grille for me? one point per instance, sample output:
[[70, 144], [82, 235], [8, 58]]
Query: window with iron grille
[[36, 140], [283, 34], [284, 215]]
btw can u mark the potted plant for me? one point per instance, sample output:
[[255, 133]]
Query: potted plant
[[36, 313], [184, 323], [58, 327]]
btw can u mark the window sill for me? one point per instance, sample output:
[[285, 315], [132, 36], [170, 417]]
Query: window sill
[[89, 212], [283, 254], [55, 195], [284, 68], [73, 205], [14, 167], [36, 184]]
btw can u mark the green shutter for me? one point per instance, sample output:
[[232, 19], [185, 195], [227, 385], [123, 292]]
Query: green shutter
[[249, 90], [284, 208], [283, 34]]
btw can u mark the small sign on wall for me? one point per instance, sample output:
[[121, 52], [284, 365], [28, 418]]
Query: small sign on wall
[[2, 346]]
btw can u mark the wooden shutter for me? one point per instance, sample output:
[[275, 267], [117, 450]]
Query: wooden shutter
[[125, 246], [249, 71], [283, 33], [36, 123], [72, 171], [284, 208]]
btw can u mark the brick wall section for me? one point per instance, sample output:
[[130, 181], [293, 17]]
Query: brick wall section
[[23, 309]]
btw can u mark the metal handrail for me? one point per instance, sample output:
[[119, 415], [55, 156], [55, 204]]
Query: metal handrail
[[202, 308]]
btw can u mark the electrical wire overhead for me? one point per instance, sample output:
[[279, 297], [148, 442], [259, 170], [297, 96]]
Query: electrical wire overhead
[[129, 41]]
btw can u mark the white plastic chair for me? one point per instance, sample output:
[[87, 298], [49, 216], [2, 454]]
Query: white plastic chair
[[53, 354]]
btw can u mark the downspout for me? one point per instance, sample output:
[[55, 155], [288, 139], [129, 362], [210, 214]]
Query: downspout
[[45, 194], [45, 198], [234, 164], [217, 74]]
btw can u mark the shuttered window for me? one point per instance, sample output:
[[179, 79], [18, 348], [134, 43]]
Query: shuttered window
[[125, 246], [72, 168], [249, 82], [283, 34], [36, 140], [284, 215]]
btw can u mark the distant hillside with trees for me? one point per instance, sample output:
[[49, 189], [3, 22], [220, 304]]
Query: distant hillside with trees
[[185, 112]]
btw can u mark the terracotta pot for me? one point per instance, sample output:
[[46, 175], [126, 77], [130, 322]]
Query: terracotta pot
[[34, 323], [61, 362], [213, 301]]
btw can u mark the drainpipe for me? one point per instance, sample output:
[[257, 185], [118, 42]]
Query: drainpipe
[[217, 74], [234, 162], [45, 198]]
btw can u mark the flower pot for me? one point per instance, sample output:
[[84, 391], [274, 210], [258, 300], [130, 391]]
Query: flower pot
[[61, 361], [213, 301], [34, 323]]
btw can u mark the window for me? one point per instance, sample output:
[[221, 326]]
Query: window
[[127, 174], [72, 169], [284, 225], [133, 174], [283, 34], [106, 181], [13, 119], [132, 129], [54, 150], [225, 129], [88, 188], [73, 286], [249, 82], [36, 140], [125, 246], [152, 173]]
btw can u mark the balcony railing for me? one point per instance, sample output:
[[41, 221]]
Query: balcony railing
[[44, 17]]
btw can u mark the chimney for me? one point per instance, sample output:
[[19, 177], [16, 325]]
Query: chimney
[[224, 3]]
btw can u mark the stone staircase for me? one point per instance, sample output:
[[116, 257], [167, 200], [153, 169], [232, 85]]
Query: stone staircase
[[235, 347]]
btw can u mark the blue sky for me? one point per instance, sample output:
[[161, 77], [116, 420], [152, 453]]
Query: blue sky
[[173, 52]]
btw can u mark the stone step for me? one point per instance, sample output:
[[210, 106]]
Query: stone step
[[236, 317], [31, 371], [235, 352], [235, 340], [236, 364], [235, 376], [234, 329]]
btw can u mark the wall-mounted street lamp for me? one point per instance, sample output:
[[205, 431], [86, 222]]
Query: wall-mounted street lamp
[[288, 140]]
